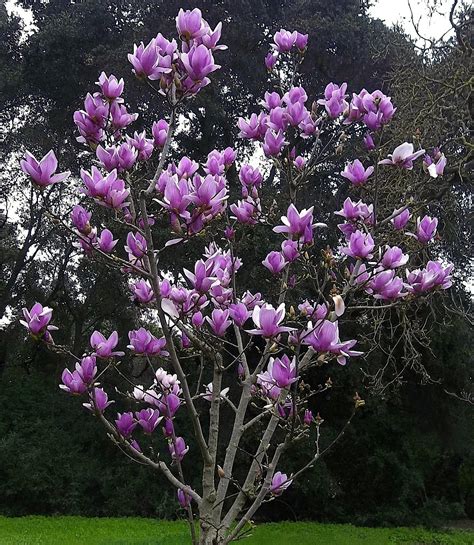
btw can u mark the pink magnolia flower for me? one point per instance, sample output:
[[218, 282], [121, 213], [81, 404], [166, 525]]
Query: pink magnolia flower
[[250, 176], [87, 369], [98, 401], [183, 498], [168, 406], [273, 143], [284, 40], [301, 41], [198, 62], [356, 211], [401, 219], [435, 165], [296, 223], [403, 156], [324, 337], [275, 262], [239, 313], [120, 117], [37, 321], [121, 157], [426, 229], [148, 419], [270, 60], [360, 246], [125, 424], [369, 142], [43, 172], [280, 482], [278, 119], [111, 87], [142, 291], [108, 191], [280, 371], [72, 382], [245, 211], [136, 245], [219, 321], [394, 258], [106, 241], [104, 347], [80, 219], [434, 275], [374, 109], [267, 320], [201, 280], [178, 449], [143, 145], [299, 162], [149, 62], [386, 285], [190, 24], [159, 131], [289, 249], [143, 342], [334, 99], [356, 173]]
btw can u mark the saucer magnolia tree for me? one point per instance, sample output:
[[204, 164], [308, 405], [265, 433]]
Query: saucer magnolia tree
[[249, 352]]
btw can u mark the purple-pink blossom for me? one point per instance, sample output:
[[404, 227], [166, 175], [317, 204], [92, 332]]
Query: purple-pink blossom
[[356, 173], [360, 245], [142, 291], [267, 320], [275, 262], [110, 86], [178, 449], [37, 321], [148, 419], [401, 219], [144, 342], [43, 172], [98, 400], [104, 347], [280, 482], [219, 321], [106, 241], [402, 156], [426, 229], [125, 423]]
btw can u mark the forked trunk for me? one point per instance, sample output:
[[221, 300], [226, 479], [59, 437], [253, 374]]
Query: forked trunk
[[210, 536]]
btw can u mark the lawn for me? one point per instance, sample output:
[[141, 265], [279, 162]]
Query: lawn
[[135, 531]]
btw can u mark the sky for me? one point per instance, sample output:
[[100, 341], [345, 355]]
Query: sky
[[398, 11]]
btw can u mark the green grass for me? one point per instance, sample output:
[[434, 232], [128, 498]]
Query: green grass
[[135, 531]]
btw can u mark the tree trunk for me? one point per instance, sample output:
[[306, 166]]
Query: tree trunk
[[209, 535]]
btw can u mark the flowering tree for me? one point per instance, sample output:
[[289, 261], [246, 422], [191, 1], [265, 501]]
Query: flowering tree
[[251, 351]]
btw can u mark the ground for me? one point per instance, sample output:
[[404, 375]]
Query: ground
[[135, 531]]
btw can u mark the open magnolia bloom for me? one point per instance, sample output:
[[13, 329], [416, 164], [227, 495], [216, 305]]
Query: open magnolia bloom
[[250, 335]]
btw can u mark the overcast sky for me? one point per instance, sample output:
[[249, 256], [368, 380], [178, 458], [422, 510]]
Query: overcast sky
[[398, 11]]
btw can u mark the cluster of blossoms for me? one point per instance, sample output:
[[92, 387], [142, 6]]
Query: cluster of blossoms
[[104, 115], [194, 199], [285, 41], [378, 276], [203, 311], [187, 66]]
